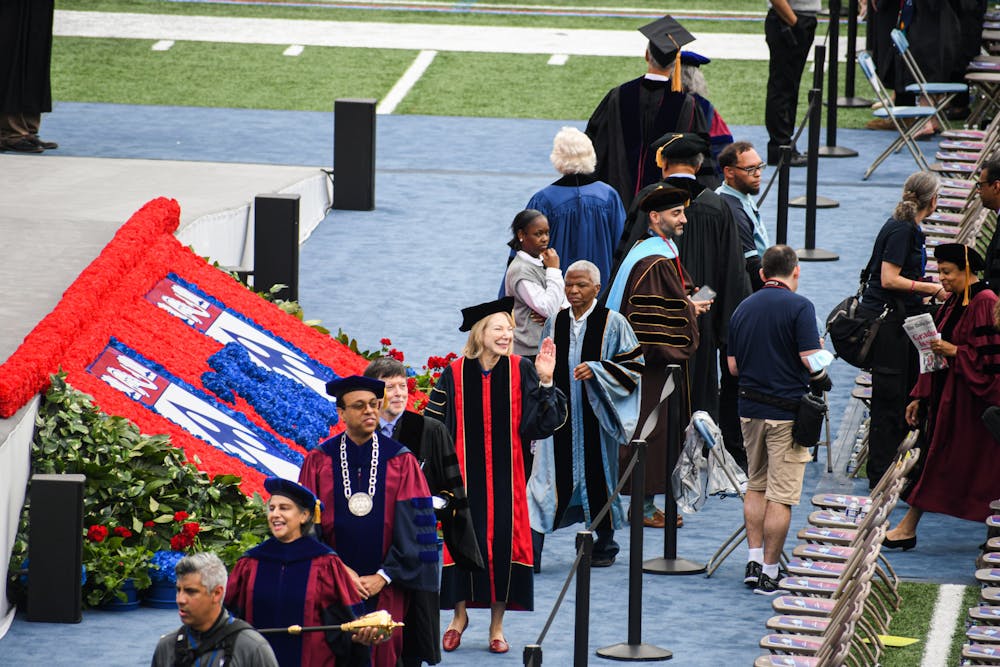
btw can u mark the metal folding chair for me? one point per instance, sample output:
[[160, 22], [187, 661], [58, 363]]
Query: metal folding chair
[[918, 117], [946, 92]]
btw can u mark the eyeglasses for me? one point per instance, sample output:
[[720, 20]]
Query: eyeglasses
[[751, 170], [977, 185], [361, 406]]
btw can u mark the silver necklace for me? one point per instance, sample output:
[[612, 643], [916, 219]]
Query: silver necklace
[[360, 503]]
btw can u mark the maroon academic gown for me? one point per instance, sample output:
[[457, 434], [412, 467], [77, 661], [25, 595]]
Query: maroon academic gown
[[399, 535], [961, 469], [327, 588]]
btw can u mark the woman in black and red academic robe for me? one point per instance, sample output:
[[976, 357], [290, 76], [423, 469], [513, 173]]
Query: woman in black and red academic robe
[[494, 403], [962, 462], [293, 579]]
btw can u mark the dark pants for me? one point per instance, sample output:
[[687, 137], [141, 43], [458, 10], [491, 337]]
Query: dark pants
[[893, 377], [729, 412], [605, 546], [788, 60]]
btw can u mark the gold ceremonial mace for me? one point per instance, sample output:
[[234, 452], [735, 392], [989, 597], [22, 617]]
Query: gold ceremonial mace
[[381, 620]]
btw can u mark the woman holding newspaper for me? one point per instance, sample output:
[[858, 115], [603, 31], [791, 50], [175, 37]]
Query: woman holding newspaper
[[962, 461], [896, 282]]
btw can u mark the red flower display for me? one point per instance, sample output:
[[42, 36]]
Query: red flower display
[[190, 529], [123, 532], [180, 515], [150, 524], [395, 354], [386, 342], [97, 533]]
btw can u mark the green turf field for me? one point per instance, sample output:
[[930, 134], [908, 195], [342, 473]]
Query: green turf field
[[260, 77]]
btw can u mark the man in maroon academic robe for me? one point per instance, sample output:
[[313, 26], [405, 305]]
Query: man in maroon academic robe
[[380, 520]]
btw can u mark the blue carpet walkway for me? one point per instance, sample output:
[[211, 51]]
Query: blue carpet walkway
[[446, 191]]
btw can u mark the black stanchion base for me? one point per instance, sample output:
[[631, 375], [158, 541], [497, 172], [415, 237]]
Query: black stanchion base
[[634, 653], [836, 151], [816, 255], [853, 102], [672, 566], [821, 202]]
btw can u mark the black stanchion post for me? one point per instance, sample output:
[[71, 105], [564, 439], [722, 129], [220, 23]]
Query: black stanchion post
[[850, 101], [532, 655], [584, 545], [811, 253], [670, 563], [634, 650], [832, 149], [783, 177], [819, 55]]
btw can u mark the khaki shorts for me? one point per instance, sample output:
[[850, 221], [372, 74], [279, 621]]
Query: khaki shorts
[[776, 465]]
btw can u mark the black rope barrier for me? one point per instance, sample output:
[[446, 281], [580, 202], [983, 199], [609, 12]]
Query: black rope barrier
[[670, 563], [831, 149], [850, 101]]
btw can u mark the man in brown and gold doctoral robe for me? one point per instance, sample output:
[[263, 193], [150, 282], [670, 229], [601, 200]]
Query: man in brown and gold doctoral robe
[[652, 291]]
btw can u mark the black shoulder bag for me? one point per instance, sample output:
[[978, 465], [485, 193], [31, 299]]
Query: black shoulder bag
[[850, 332]]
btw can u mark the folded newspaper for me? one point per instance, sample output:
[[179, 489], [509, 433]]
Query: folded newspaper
[[922, 331]]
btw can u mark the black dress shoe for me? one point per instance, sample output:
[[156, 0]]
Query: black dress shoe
[[602, 561], [904, 544], [47, 145], [22, 145]]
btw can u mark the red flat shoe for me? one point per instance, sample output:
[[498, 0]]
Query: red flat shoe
[[452, 639], [499, 646]]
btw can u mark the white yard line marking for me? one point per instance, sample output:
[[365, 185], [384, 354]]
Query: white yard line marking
[[558, 59], [406, 82], [946, 611], [294, 50], [163, 45]]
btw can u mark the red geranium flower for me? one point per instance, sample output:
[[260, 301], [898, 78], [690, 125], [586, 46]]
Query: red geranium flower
[[411, 384], [191, 529], [451, 356], [181, 515], [395, 354], [149, 524], [122, 531], [181, 541], [386, 342], [97, 533]]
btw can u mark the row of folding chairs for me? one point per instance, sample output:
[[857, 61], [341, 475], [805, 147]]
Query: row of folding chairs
[[983, 621], [840, 592], [982, 78]]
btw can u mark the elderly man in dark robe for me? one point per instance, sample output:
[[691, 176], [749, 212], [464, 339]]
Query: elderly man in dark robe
[[652, 290], [379, 518], [598, 366], [633, 114]]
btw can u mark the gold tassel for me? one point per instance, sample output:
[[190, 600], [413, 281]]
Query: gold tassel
[[675, 80], [317, 513]]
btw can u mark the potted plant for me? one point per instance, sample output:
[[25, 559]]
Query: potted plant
[[117, 567]]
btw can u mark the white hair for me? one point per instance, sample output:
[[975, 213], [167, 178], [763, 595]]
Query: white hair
[[573, 152], [587, 267], [693, 81]]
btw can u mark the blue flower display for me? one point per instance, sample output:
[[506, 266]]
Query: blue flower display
[[292, 409], [162, 564]]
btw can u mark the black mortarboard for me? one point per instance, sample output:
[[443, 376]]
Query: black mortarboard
[[473, 314], [679, 145], [694, 59], [955, 253], [666, 37], [664, 197], [302, 496], [341, 386]]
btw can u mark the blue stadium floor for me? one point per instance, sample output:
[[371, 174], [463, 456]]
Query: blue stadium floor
[[446, 191]]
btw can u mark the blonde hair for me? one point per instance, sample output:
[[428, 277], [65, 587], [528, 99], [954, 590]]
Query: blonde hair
[[573, 152], [918, 191], [474, 346]]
